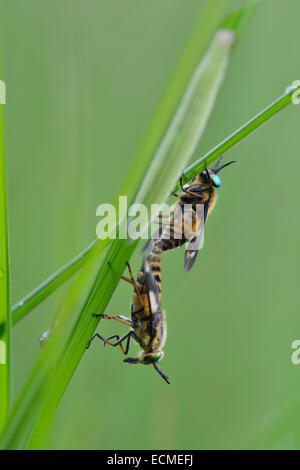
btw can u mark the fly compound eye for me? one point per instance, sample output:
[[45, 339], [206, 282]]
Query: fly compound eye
[[153, 357], [216, 182]]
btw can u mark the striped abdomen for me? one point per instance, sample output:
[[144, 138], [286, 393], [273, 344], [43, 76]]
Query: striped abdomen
[[183, 223], [154, 261], [180, 228]]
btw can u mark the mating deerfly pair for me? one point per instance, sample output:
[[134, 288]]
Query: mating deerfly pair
[[147, 323]]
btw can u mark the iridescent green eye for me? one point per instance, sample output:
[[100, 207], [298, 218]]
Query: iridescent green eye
[[152, 357], [215, 180]]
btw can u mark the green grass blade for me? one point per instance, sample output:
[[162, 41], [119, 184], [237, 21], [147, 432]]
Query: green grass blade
[[44, 373], [57, 363], [97, 299], [208, 22], [5, 318], [43, 290], [236, 137], [189, 122], [239, 19]]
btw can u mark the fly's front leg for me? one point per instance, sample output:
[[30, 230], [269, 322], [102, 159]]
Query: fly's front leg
[[120, 318], [209, 178], [191, 193], [160, 221], [117, 343], [124, 351], [117, 337], [127, 337], [133, 282]]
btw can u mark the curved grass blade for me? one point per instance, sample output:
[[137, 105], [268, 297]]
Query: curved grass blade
[[5, 318], [43, 290], [187, 126], [207, 23], [240, 134]]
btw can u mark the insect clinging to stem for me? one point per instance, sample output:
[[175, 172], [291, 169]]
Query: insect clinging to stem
[[189, 214], [147, 323]]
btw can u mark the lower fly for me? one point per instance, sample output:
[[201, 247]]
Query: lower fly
[[147, 323]]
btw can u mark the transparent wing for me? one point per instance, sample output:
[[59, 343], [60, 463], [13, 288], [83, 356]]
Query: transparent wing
[[148, 247], [192, 251], [194, 244]]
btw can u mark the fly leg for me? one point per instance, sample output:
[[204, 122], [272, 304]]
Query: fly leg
[[126, 321], [117, 343], [133, 282], [160, 222], [189, 192], [162, 216], [124, 351], [209, 178], [117, 337]]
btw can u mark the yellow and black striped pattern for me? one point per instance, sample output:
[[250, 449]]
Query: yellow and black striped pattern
[[154, 261], [174, 233]]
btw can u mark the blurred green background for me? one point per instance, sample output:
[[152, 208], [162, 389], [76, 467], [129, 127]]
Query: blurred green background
[[83, 80]]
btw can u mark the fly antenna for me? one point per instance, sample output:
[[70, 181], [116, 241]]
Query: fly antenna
[[161, 372], [217, 169]]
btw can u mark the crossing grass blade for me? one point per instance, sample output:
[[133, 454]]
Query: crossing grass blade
[[239, 135], [5, 318], [43, 290]]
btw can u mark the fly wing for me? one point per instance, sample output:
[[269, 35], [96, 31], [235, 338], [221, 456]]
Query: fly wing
[[152, 288], [148, 247], [192, 251], [150, 244], [193, 246]]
